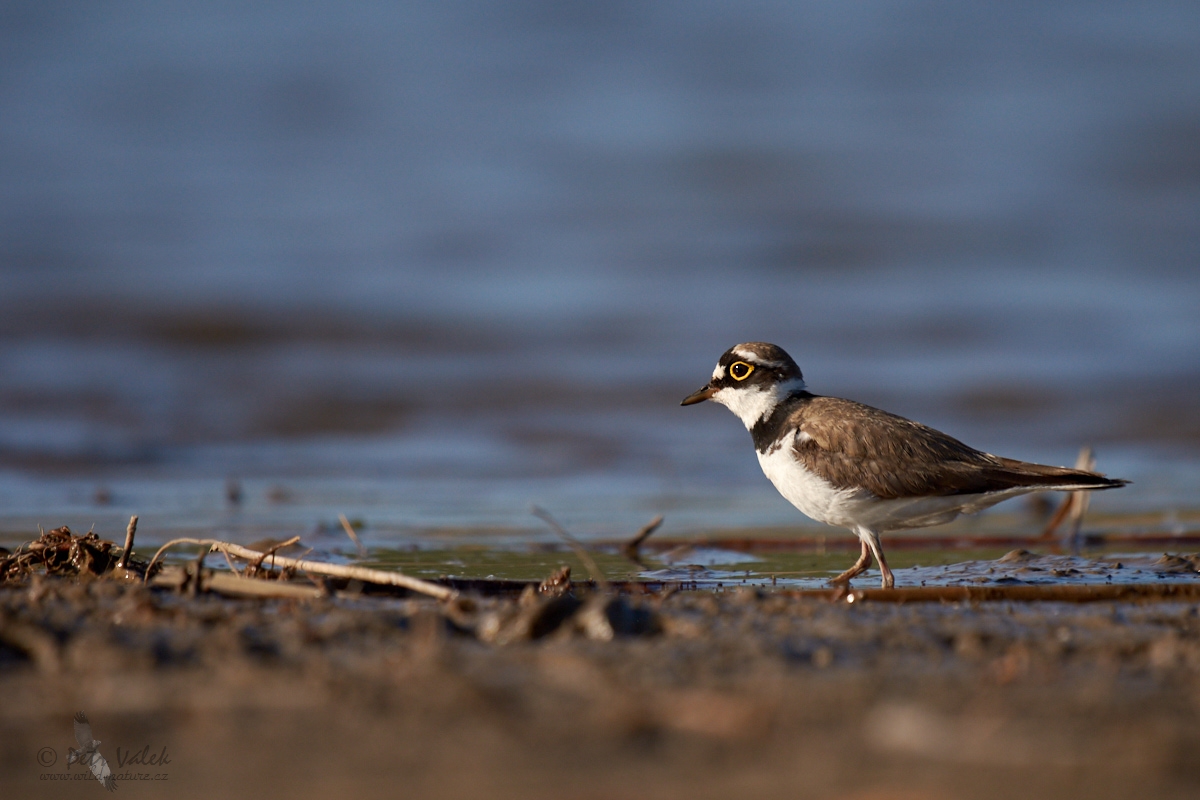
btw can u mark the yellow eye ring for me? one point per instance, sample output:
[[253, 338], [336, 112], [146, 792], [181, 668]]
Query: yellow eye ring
[[740, 370]]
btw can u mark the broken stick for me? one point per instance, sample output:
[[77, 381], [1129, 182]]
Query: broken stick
[[632, 548], [349, 529], [1075, 504], [129, 532], [589, 563], [364, 574]]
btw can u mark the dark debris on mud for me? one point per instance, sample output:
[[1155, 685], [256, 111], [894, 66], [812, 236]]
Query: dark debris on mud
[[699, 693], [59, 552]]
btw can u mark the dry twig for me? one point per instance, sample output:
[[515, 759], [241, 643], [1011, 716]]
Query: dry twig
[[349, 529], [270, 551], [632, 548], [237, 586], [129, 533], [589, 563], [1075, 504], [364, 574]]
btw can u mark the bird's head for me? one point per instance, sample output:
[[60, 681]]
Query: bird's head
[[750, 380]]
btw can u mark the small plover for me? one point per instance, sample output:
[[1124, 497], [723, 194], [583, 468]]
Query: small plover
[[850, 465]]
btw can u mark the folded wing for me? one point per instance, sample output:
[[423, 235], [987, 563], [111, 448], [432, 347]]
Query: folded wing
[[852, 445]]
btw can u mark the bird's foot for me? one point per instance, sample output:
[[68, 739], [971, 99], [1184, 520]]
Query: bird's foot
[[860, 566]]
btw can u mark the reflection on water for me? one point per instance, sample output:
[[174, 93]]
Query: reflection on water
[[709, 567], [429, 265]]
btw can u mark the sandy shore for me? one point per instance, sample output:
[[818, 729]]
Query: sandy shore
[[709, 695]]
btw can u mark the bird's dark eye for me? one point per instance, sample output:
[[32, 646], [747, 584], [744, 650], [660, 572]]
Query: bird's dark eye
[[740, 370]]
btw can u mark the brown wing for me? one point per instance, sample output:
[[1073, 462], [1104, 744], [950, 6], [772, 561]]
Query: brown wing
[[83, 730], [853, 445]]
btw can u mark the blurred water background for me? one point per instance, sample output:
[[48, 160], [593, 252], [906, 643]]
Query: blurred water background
[[428, 263]]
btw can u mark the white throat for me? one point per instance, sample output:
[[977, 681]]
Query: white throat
[[753, 403]]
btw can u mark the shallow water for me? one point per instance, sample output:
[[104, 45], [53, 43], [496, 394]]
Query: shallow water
[[711, 567], [426, 267]]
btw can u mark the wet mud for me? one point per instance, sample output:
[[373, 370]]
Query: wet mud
[[671, 693]]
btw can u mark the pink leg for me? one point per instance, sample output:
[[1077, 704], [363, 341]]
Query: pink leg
[[871, 539], [859, 567]]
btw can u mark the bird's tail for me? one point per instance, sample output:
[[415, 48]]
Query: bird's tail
[[1061, 479]]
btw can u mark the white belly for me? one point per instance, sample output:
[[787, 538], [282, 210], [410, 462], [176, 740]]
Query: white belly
[[855, 508], [812, 494]]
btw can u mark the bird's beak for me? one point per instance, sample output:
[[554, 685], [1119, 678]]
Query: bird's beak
[[700, 396]]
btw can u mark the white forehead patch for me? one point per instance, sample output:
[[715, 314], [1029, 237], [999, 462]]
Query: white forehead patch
[[718, 372], [746, 355]]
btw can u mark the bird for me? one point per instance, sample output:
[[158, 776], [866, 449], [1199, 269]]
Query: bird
[[854, 466], [89, 754]]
